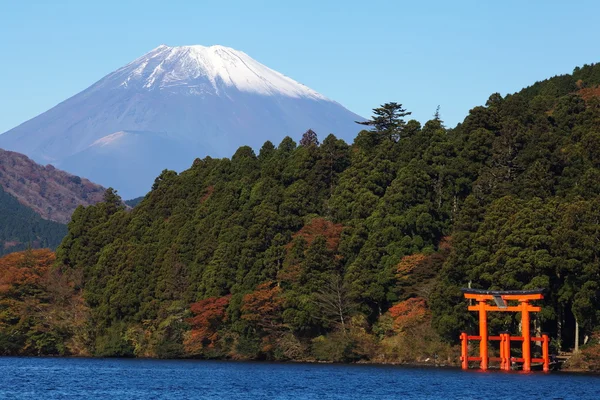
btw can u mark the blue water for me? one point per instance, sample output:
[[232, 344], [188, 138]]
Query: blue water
[[63, 378]]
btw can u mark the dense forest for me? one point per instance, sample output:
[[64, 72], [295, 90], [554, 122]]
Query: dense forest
[[21, 227], [133, 202], [336, 252]]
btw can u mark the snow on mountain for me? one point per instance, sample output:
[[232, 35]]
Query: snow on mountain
[[198, 70], [169, 106]]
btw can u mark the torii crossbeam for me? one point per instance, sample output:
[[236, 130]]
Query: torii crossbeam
[[501, 299]]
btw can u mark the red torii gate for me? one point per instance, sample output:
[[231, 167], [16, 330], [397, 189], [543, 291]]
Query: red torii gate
[[501, 298]]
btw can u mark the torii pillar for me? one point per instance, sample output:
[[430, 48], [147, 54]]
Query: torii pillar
[[501, 298]]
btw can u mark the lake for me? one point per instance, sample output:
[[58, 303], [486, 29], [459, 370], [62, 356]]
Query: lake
[[68, 378]]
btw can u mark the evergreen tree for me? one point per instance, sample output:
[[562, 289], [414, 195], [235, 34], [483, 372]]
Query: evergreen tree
[[388, 120], [309, 138], [515, 186]]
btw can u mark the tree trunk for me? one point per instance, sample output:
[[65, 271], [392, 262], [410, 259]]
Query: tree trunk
[[559, 324], [454, 208], [576, 335], [341, 309]]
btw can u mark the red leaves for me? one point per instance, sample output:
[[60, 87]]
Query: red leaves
[[41, 305], [321, 226], [408, 264], [263, 306], [208, 309], [209, 315], [409, 313], [262, 309]]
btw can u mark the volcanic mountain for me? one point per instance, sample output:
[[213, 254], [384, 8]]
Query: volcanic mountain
[[168, 107]]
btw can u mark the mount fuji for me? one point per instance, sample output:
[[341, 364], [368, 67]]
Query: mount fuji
[[170, 106]]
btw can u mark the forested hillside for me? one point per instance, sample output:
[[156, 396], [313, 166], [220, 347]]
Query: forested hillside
[[21, 227], [41, 309], [330, 251], [50, 192]]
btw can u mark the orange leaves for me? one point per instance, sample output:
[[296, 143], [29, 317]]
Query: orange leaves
[[589, 93], [321, 226], [291, 273], [262, 309], [209, 309], [209, 315], [416, 272], [408, 264], [409, 313], [263, 306], [43, 312], [24, 268]]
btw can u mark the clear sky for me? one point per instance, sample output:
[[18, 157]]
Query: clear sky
[[360, 53]]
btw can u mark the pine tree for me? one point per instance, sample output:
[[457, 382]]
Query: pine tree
[[388, 120], [309, 138]]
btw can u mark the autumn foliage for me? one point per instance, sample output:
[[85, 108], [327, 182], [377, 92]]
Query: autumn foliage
[[409, 313], [408, 263], [24, 269], [418, 261], [589, 93], [50, 192], [41, 312], [209, 315], [262, 310], [347, 232], [321, 226], [263, 306]]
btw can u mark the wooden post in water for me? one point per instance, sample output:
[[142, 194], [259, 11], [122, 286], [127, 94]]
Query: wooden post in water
[[525, 325], [483, 333], [464, 350], [502, 358], [508, 364], [545, 352]]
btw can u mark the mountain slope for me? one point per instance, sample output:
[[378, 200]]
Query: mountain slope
[[116, 158], [267, 242], [21, 227], [204, 100], [52, 193]]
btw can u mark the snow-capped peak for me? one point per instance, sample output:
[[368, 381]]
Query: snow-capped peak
[[201, 70]]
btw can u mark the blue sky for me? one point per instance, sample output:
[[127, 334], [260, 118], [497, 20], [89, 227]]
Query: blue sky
[[359, 53]]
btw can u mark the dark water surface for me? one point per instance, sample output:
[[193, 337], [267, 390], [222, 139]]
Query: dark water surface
[[63, 378]]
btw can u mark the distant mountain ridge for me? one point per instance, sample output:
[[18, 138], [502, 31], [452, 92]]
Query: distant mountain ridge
[[50, 192], [168, 107]]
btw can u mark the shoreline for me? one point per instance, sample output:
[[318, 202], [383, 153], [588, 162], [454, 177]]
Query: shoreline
[[421, 365]]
